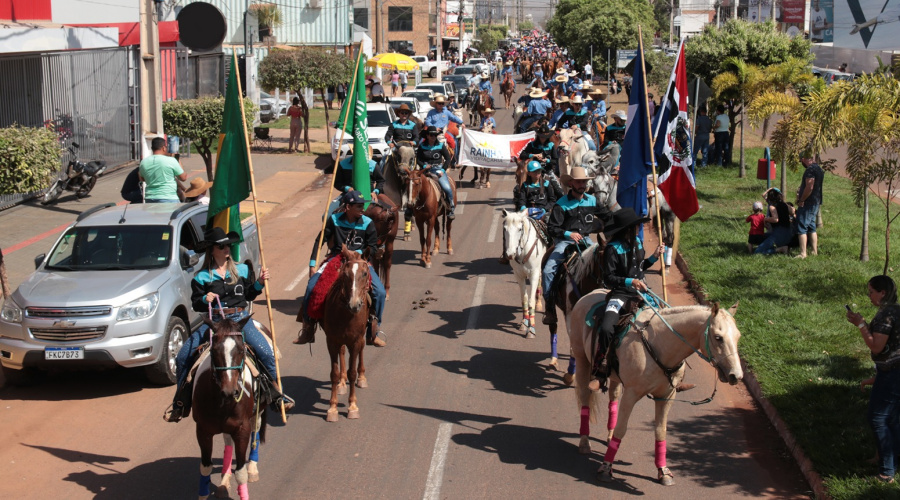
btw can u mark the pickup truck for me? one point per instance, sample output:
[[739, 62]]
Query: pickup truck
[[115, 290], [430, 67]]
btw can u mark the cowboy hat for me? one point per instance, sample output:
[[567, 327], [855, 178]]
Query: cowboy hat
[[563, 100], [439, 99], [577, 100], [586, 86], [198, 185], [509, 63], [544, 131], [485, 74], [561, 78], [622, 220], [404, 107], [536, 93], [578, 174], [620, 114], [216, 236], [561, 71], [489, 110], [574, 73], [598, 92]]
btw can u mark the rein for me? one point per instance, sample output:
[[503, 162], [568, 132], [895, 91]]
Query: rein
[[212, 363]]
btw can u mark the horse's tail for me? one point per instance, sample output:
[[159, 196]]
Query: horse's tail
[[593, 403]]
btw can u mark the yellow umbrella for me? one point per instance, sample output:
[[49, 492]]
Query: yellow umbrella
[[392, 60]]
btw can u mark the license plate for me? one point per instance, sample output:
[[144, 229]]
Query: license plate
[[55, 353]]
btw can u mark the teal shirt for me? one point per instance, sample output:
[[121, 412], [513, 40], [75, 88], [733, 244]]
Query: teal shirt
[[159, 172]]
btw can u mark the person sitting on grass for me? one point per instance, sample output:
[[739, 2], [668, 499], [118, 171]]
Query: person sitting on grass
[[780, 218], [757, 226]]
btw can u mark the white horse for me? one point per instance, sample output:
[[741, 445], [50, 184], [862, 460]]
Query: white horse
[[603, 184], [572, 148], [517, 113], [526, 250]]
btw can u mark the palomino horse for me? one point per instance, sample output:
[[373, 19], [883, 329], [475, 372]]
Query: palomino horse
[[346, 317], [525, 249], [668, 335], [428, 208], [384, 215], [225, 395], [507, 88], [572, 148]]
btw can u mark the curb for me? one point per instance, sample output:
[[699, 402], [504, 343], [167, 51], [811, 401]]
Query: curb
[[752, 385]]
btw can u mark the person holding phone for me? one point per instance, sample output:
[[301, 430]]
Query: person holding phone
[[882, 336]]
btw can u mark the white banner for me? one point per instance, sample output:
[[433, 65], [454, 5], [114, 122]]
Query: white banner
[[491, 150]]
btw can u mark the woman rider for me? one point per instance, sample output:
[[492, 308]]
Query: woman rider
[[542, 150], [536, 194], [578, 117], [229, 286], [433, 156]]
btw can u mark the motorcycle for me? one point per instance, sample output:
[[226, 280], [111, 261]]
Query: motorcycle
[[80, 177]]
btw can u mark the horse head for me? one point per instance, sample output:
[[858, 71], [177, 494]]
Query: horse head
[[227, 356], [722, 343], [514, 232], [603, 184], [353, 279]]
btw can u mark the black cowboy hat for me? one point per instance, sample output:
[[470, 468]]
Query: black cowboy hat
[[431, 129], [622, 220], [216, 236], [544, 131]]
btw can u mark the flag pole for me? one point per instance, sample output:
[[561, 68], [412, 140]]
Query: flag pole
[[653, 163], [352, 91], [262, 255]]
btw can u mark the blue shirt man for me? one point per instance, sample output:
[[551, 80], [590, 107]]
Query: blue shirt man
[[440, 117], [538, 105]]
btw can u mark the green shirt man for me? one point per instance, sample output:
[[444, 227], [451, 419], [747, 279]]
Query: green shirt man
[[159, 171]]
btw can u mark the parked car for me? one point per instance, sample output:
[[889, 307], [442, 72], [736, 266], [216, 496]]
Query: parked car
[[438, 88], [114, 290], [273, 109], [413, 104], [424, 96], [481, 64], [379, 116], [461, 84], [430, 67], [465, 69]]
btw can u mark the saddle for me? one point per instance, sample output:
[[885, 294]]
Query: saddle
[[603, 350], [541, 227], [433, 181]]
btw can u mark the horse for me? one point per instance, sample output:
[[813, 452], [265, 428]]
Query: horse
[[428, 209], [665, 213], [650, 363], [384, 214], [396, 175], [603, 184], [484, 101], [224, 397], [526, 250], [507, 88], [345, 321], [526, 72], [518, 112], [572, 148]]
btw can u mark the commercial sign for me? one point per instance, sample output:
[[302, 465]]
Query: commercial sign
[[866, 24], [793, 11], [821, 21]]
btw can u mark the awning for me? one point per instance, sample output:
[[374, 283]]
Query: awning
[[130, 33]]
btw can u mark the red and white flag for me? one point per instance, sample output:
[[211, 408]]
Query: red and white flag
[[677, 183]]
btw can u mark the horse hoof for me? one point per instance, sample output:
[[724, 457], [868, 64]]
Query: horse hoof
[[449, 251], [530, 334], [604, 473], [584, 445], [568, 378], [362, 383], [522, 327], [353, 414], [252, 471], [665, 477], [487, 185], [342, 389], [554, 363], [252, 478], [332, 415], [428, 265], [221, 492]]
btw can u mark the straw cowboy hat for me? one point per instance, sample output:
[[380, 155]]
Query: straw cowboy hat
[[563, 100], [198, 185], [439, 99], [586, 86], [485, 74], [561, 71], [536, 93], [561, 78], [598, 94], [623, 219], [488, 110], [578, 174], [577, 100], [620, 114]]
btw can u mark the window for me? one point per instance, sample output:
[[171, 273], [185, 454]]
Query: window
[[400, 19], [401, 46], [361, 18]]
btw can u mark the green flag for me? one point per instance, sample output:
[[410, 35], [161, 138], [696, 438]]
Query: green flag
[[232, 178], [357, 125]]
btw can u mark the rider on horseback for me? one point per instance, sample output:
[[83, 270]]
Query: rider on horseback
[[226, 289], [344, 175], [537, 108], [404, 129], [433, 157], [439, 117], [357, 232], [577, 118], [573, 218], [508, 70], [536, 195], [543, 150]]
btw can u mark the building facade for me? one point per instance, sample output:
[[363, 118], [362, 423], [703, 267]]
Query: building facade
[[405, 26]]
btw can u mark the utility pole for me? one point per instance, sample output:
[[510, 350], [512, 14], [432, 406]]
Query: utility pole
[[151, 81], [734, 5], [379, 4], [671, 20], [440, 37]]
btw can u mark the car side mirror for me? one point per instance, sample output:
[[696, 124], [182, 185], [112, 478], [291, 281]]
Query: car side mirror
[[39, 260], [189, 258]]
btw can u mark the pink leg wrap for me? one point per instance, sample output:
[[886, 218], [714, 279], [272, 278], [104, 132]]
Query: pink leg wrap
[[612, 450], [242, 492], [226, 461], [613, 415], [585, 421], [660, 454]]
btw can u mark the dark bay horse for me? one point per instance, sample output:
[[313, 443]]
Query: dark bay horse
[[225, 398], [345, 321], [428, 209], [387, 221], [396, 175]]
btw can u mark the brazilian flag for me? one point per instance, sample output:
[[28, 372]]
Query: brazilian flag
[[232, 174], [357, 124]]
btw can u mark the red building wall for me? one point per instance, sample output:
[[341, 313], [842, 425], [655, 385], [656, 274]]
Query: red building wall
[[25, 10]]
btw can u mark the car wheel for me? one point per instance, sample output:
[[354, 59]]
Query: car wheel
[[433, 73], [163, 371], [21, 378]]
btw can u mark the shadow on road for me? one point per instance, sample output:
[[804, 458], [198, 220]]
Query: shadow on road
[[79, 385], [479, 267], [307, 392], [511, 371], [165, 478], [501, 317], [455, 417]]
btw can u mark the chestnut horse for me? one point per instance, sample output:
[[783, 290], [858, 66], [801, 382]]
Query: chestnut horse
[[224, 398], [344, 323], [428, 208], [507, 88], [650, 363]]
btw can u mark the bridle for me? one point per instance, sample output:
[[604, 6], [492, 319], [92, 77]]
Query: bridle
[[217, 369]]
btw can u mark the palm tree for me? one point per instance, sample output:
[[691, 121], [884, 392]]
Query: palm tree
[[740, 83]]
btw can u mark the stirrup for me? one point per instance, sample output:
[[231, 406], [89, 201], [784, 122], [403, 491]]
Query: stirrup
[[174, 413], [307, 334], [288, 403]]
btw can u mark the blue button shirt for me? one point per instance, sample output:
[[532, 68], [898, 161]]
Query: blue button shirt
[[442, 119], [538, 106]]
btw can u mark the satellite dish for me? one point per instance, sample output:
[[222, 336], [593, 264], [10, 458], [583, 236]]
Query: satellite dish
[[201, 26]]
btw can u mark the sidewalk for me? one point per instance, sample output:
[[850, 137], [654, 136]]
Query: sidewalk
[[31, 228]]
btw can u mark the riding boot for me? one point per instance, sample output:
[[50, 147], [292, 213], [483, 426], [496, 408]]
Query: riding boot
[[307, 333], [277, 397], [374, 336], [181, 404], [452, 214], [549, 312]]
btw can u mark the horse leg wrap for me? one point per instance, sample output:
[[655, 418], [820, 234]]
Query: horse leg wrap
[[407, 227], [226, 461], [660, 454], [571, 369], [254, 451], [613, 415], [243, 494], [553, 353], [203, 489], [241, 475], [585, 421], [612, 450]]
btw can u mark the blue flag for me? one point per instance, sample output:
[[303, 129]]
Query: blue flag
[[636, 160]]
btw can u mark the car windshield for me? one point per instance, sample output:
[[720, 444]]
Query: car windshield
[[459, 80], [419, 96], [463, 70], [104, 248], [264, 95], [378, 118]]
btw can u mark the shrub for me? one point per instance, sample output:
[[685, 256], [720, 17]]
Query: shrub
[[30, 158]]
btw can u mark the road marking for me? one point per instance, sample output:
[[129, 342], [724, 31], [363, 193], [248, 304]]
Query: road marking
[[460, 205], [438, 460], [492, 233], [297, 280], [476, 303]]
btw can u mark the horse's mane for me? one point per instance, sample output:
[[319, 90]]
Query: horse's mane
[[583, 266]]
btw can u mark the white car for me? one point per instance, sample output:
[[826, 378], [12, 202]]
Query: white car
[[379, 117], [270, 110], [413, 104], [424, 97]]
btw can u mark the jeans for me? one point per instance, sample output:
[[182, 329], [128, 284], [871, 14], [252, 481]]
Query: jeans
[[779, 237], [884, 417], [527, 121], [701, 145], [556, 256], [378, 292], [162, 200], [444, 182], [252, 336], [720, 151]]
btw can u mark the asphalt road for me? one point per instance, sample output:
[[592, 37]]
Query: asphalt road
[[459, 404]]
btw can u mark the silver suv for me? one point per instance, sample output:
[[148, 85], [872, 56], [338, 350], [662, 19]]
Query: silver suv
[[115, 290]]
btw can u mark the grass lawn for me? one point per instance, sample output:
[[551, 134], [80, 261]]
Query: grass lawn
[[316, 119], [808, 358]]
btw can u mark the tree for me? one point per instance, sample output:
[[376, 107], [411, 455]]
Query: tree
[[739, 85], [200, 121], [490, 36], [525, 26], [268, 16], [660, 69], [578, 24], [303, 68]]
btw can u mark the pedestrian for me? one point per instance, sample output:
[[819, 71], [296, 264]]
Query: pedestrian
[[882, 337], [651, 104], [757, 226], [295, 112], [809, 199], [329, 97], [377, 90], [159, 171], [588, 72], [721, 133], [404, 81], [702, 129], [341, 93], [395, 83]]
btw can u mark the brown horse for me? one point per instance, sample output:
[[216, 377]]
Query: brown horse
[[507, 87], [396, 175], [345, 321], [225, 395], [428, 208], [525, 69], [384, 215]]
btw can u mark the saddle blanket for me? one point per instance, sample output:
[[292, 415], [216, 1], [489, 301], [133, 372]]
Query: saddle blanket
[[315, 303]]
